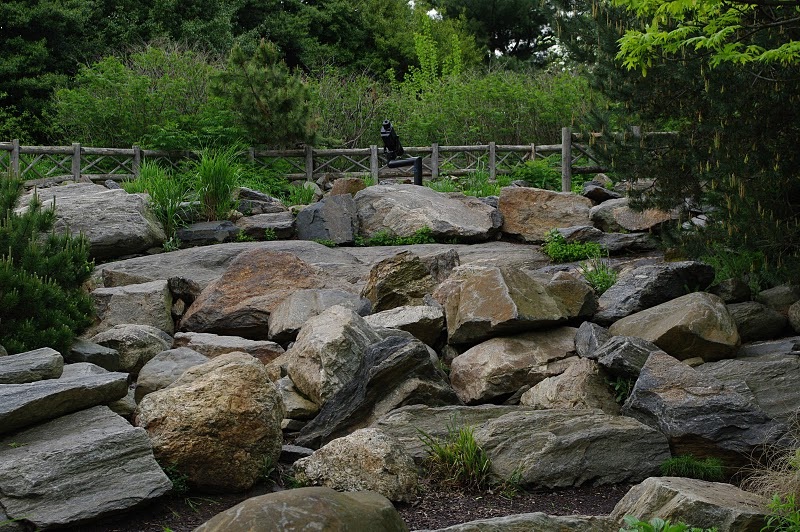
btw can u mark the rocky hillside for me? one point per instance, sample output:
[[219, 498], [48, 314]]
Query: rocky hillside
[[209, 360]]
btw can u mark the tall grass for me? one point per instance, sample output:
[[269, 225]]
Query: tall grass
[[166, 191], [458, 459], [216, 175]]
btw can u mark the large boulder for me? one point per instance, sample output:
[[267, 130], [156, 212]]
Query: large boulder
[[694, 325], [497, 368], [392, 373], [289, 316], [83, 350], [142, 304], [134, 344], [239, 303], [22, 405], [219, 423], [582, 385], [267, 226], [772, 381], [333, 218], [214, 345], [650, 285], [115, 223], [328, 351], [624, 356], [31, 366], [254, 202], [481, 302], [530, 213], [425, 322], [207, 233], [615, 216], [313, 508], [77, 468], [699, 414], [589, 337], [366, 460], [403, 279], [165, 368], [695, 502], [756, 321], [405, 209]]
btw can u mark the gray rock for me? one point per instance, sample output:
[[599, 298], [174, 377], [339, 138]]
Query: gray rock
[[650, 285], [563, 448], [365, 460], [756, 321], [401, 280], [136, 344], [289, 316], [589, 337], [624, 356], [393, 373], [425, 322], [582, 385], [213, 345], [85, 351], [309, 509], [254, 202], [297, 406], [76, 468], [141, 304], [695, 502], [22, 405], [405, 209], [771, 381], [499, 367], [732, 291], [165, 368], [537, 521], [110, 184], [3, 351], [787, 346], [794, 316], [598, 193], [333, 218], [699, 414], [694, 325], [31, 366], [115, 223], [779, 298], [207, 233], [184, 289], [616, 216], [280, 224], [611, 242]]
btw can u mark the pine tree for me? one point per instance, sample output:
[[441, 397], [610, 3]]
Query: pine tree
[[42, 302]]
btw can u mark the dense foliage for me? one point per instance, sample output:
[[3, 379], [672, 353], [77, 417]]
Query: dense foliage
[[42, 303]]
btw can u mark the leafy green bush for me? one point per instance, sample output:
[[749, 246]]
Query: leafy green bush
[[690, 467], [599, 274], [539, 173], [269, 180], [459, 458], [656, 524], [42, 302], [746, 265], [559, 250]]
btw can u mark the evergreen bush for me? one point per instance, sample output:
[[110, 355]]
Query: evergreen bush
[[42, 302]]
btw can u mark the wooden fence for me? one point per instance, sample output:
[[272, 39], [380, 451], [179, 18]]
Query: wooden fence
[[42, 165]]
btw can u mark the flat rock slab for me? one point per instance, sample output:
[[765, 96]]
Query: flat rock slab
[[77, 468], [536, 521], [22, 405], [31, 366]]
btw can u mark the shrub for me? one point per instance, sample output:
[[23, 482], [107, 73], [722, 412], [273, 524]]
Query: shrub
[[42, 303], [538, 173], [557, 248], [690, 467], [458, 459]]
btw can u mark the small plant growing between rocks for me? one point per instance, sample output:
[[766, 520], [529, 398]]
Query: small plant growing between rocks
[[622, 388], [559, 250], [300, 195], [784, 514], [241, 236], [180, 484], [423, 235], [599, 274], [326, 242], [458, 458], [656, 524], [690, 467], [270, 234]]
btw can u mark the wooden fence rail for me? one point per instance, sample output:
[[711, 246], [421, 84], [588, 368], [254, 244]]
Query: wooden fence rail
[[40, 165]]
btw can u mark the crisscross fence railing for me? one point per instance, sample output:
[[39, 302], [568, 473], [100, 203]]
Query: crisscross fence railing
[[41, 165]]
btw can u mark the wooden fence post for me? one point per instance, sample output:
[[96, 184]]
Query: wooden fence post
[[15, 158], [309, 163], [434, 161], [374, 164], [566, 159], [533, 151], [76, 161], [492, 161], [136, 166]]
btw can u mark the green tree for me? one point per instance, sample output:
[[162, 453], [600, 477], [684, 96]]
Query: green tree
[[42, 302], [272, 103]]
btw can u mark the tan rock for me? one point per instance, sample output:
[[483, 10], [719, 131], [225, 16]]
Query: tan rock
[[397, 281], [367, 459], [529, 213], [214, 345], [425, 322], [501, 366], [347, 185], [615, 216], [580, 386], [219, 423], [694, 325]]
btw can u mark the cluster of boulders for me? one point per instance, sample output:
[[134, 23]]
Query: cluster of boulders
[[219, 354]]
